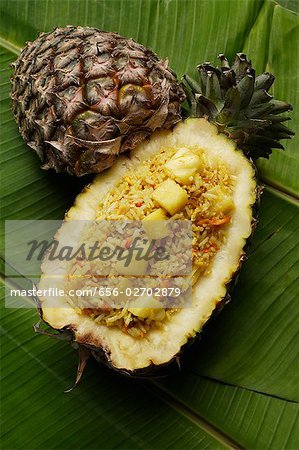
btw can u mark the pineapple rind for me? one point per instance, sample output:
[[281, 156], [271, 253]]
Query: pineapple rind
[[81, 96]]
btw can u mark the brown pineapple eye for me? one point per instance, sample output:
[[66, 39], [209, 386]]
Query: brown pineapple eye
[[132, 95]]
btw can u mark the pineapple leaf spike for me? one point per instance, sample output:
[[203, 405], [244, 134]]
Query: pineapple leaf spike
[[239, 104]]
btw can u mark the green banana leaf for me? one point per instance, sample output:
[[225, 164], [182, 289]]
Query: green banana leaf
[[238, 387]]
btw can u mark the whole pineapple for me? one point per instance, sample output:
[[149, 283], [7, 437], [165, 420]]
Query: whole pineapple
[[81, 96]]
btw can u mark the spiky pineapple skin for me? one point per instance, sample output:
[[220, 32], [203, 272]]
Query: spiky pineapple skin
[[81, 96]]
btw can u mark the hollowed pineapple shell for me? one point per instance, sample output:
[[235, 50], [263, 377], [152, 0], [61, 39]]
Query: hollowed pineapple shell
[[161, 347]]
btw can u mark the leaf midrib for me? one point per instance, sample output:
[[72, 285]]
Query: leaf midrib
[[191, 415], [156, 390], [13, 48]]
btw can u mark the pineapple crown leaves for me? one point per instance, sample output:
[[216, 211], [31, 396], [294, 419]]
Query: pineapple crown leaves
[[238, 102]]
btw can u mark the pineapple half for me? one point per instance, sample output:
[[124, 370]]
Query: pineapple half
[[237, 120]]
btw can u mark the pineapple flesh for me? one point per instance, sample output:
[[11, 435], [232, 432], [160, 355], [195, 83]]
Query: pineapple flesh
[[183, 165], [171, 196], [155, 224]]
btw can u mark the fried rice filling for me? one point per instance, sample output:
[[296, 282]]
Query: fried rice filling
[[177, 184]]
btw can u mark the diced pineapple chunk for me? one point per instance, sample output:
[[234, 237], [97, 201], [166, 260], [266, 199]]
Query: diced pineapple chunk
[[225, 204], [122, 285], [154, 224], [170, 196], [183, 165], [147, 308], [158, 214], [135, 267]]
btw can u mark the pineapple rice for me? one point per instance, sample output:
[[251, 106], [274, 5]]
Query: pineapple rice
[[208, 205]]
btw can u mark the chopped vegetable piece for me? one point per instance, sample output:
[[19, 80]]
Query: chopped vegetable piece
[[214, 222]]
